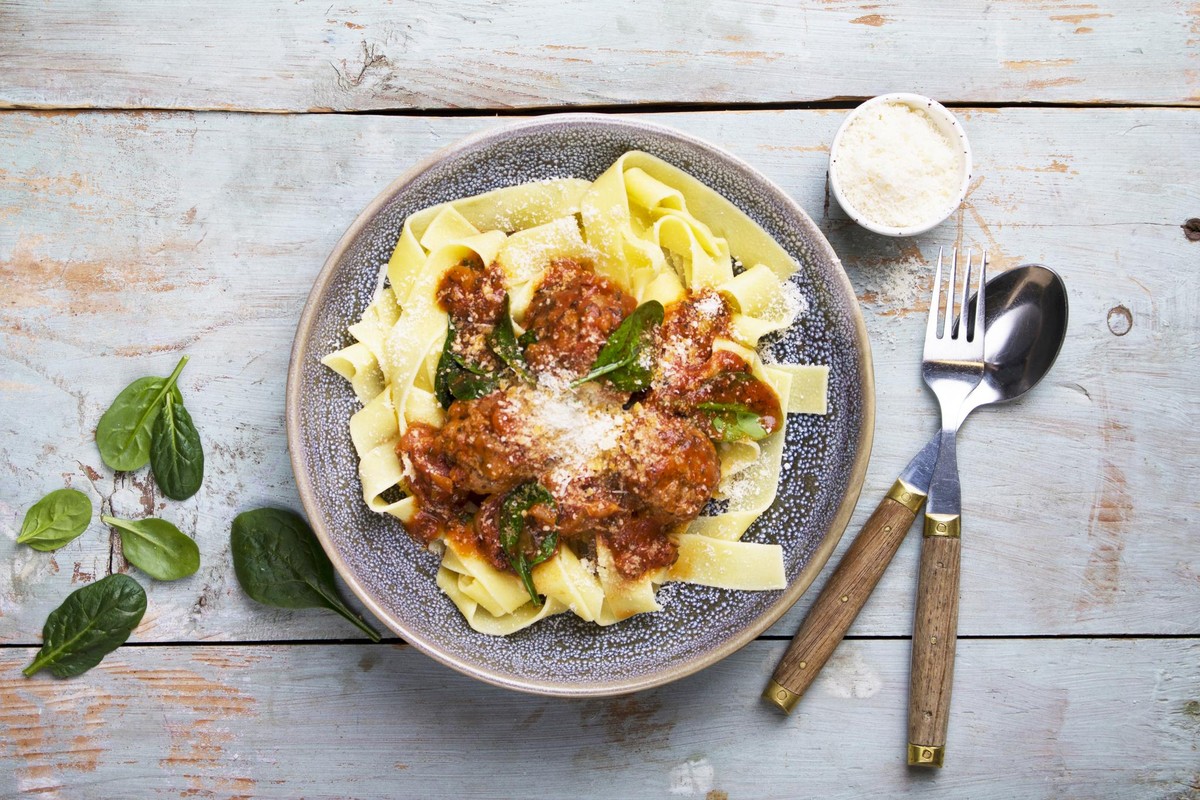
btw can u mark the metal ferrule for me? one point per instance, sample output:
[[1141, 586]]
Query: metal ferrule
[[906, 495], [926, 755], [948, 525], [783, 698]]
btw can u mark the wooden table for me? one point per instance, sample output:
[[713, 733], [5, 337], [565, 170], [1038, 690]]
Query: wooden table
[[151, 206]]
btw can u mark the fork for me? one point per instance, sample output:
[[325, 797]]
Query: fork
[[952, 366]]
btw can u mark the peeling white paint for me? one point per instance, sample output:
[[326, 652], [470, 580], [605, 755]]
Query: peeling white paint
[[847, 674], [692, 777]]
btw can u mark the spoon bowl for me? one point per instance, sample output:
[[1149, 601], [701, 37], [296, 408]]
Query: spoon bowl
[[1026, 313]]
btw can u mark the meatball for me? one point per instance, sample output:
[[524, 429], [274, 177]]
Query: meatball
[[588, 504], [571, 314], [471, 293], [669, 466], [485, 442], [431, 478]]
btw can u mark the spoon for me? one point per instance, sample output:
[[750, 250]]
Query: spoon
[[1026, 313]]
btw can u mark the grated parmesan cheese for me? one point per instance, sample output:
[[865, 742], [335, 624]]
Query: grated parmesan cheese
[[578, 429], [710, 305], [896, 167]]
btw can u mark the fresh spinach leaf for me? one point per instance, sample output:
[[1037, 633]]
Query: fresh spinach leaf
[[124, 432], [620, 358], [93, 621], [735, 421], [279, 562], [469, 386], [176, 455], [157, 547], [527, 338], [457, 379], [512, 528], [504, 343], [56, 519]]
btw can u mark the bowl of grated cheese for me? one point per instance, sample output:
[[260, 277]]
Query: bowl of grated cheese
[[900, 164]]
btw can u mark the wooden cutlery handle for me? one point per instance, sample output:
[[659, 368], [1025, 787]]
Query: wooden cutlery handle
[[934, 635], [844, 595]]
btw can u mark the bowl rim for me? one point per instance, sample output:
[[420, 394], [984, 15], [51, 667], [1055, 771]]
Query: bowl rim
[[300, 463], [947, 122]]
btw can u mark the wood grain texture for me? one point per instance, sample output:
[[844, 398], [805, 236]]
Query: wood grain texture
[[128, 238], [844, 595], [356, 721], [308, 56], [935, 633]]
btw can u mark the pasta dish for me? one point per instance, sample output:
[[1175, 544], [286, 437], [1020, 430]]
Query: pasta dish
[[563, 396]]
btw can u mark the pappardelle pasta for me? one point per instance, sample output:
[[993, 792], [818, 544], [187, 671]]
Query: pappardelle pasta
[[558, 377]]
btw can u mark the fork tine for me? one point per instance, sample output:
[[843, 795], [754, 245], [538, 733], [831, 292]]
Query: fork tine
[[961, 328], [935, 303], [949, 320], [980, 322]]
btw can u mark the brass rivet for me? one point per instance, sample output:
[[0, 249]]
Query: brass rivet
[[887, 528], [927, 754], [933, 640], [906, 497], [803, 664], [941, 527], [845, 598], [781, 695]]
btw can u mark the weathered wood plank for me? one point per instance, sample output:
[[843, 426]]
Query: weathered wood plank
[[477, 54], [129, 238], [1046, 719]]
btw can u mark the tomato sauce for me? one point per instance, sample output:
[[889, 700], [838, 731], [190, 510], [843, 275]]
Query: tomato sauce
[[624, 468]]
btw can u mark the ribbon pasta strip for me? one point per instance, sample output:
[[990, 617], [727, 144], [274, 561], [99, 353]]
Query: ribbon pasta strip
[[655, 231]]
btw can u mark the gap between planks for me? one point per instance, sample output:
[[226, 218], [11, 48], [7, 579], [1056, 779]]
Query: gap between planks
[[832, 104], [389, 642]]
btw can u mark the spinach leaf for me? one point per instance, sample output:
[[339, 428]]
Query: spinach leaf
[[620, 358], [504, 343], [93, 621], [457, 379], [279, 562], [56, 519], [124, 432], [157, 547], [512, 528], [735, 421], [176, 455]]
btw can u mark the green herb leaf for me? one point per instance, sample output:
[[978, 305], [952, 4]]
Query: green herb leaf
[[504, 343], [456, 379], [279, 562], [124, 432], [92, 622], [468, 386], [176, 455], [157, 547], [620, 358], [735, 421], [56, 519], [512, 528], [527, 338]]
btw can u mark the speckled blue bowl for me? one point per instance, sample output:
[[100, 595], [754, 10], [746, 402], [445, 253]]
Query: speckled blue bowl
[[824, 461]]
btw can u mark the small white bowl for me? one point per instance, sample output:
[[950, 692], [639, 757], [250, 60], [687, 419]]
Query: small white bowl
[[945, 121]]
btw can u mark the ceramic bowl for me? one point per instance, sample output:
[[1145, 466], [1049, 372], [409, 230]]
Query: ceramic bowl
[[945, 122], [824, 462]]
